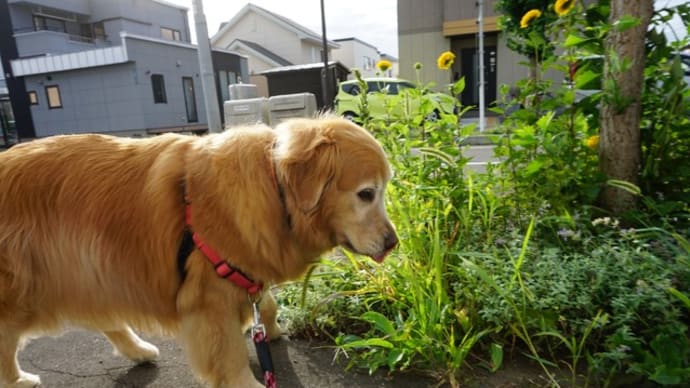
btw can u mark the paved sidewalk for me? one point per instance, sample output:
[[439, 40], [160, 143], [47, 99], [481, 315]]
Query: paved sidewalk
[[80, 359]]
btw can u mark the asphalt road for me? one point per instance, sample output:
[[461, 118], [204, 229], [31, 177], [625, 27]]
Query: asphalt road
[[81, 359], [480, 156]]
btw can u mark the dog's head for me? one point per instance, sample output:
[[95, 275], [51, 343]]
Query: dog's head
[[335, 175]]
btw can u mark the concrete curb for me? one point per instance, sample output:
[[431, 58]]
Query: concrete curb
[[476, 140]]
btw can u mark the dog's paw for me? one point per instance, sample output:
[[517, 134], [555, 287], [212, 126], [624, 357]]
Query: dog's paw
[[274, 331], [26, 380], [142, 352]]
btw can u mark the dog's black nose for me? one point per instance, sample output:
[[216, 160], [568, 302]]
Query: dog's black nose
[[390, 241]]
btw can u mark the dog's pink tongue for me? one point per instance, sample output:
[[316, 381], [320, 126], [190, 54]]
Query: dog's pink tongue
[[381, 256]]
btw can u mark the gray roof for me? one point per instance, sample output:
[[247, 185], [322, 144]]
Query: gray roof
[[351, 39], [287, 23], [265, 52], [307, 66]]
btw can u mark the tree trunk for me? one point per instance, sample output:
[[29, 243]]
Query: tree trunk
[[619, 145]]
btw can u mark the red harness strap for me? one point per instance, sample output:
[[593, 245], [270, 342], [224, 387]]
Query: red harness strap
[[222, 267]]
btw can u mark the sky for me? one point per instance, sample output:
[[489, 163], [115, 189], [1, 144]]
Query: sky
[[676, 24], [372, 21]]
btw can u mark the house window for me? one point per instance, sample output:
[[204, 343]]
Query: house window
[[368, 63], [53, 97], [225, 79], [99, 31], [33, 98], [45, 23], [190, 99], [170, 34], [158, 85]]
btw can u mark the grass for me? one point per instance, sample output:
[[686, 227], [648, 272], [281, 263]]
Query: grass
[[515, 260], [471, 279]]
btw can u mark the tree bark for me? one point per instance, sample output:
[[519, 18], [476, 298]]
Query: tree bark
[[619, 143]]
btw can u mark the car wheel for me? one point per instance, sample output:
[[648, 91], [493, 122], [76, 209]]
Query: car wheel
[[433, 116], [349, 116]]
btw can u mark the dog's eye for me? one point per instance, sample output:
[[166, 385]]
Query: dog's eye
[[367, 195]]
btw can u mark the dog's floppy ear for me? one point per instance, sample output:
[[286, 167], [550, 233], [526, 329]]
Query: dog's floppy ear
[[306, 163]]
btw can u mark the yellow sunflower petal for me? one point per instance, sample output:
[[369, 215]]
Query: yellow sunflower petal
[[592, 142], [445, 60], [383, 65], [562, 7], [528, 17]]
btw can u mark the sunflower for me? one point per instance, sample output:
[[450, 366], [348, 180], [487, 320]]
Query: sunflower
[[383, 65], [562, 7], [445, 60], [528, 17], [592, 142]]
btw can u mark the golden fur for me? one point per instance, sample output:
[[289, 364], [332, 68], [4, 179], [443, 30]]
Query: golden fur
[[90, 226]]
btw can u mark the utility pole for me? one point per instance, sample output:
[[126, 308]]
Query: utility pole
[[208, 81], [480, 37], [325, 75]]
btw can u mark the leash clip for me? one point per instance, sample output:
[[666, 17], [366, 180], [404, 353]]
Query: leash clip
[[257, 327], [263, 353]]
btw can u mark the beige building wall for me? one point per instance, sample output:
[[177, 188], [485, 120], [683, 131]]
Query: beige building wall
[[420, 39], [261, 84], [423, 47], [427, 28], [356, 55], [510, 68], [273, 37]]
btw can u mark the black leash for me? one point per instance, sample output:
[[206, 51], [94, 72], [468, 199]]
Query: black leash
[[263, 353]]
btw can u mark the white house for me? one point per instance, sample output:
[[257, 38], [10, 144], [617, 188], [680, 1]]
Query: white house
[[269, 40], [357, 54]]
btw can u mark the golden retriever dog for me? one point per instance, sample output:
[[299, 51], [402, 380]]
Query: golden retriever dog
[[91, 228]]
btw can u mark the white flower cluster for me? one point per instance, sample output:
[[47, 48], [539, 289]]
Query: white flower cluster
[[606, 221]]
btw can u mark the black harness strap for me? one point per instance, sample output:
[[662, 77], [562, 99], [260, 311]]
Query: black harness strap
[[186, 242], [183, 252]]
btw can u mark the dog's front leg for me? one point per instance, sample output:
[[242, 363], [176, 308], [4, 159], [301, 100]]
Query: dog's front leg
[[128, 344], [269, 313], [216, 349], [10, 374]]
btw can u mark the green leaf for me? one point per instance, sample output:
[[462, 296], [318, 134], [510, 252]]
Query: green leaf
[[368, 343], [680, 296], [587, 80], [380, 322], [442, 156], [665, 375], [623, 185], [575, 40], [626, 22], [496, 354], [534, 167], [394, 357], [459, 86], [545, 121]]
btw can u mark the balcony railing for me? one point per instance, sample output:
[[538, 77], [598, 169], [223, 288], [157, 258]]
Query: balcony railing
[[73, 37]]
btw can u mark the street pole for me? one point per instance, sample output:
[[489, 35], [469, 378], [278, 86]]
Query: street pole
[[208, 82], [326, 75], [480, 32]]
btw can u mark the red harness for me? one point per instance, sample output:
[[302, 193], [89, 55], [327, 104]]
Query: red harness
[[222, 267], [237, 277], [191, 239]]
